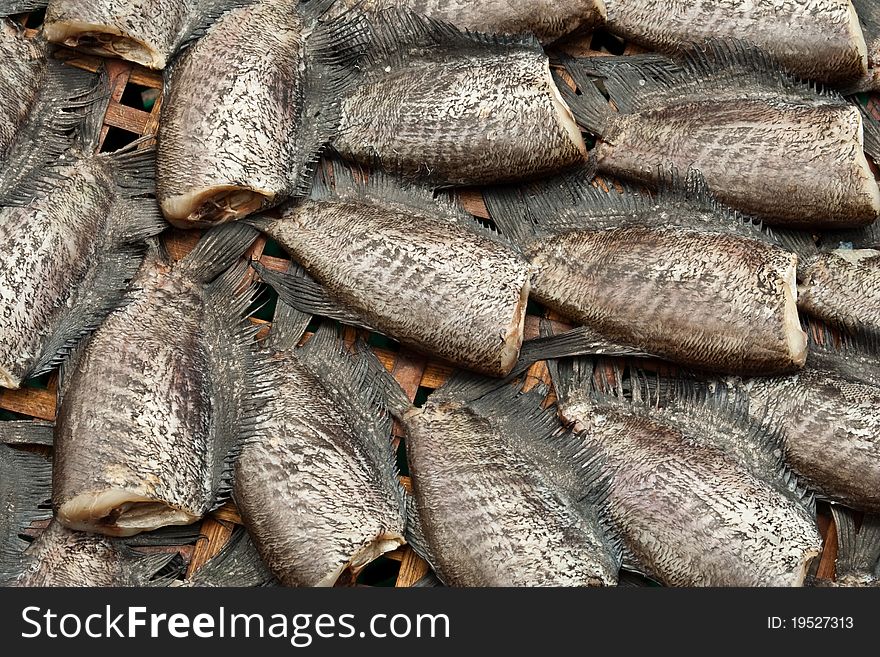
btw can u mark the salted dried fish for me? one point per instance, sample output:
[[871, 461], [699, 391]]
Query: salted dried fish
[[766, 144], [853, 356], [869, 18], [238, 564], [319, 488], [842, 288], [183, 367], [548, 20], [456, 108], [249, 106], [858, 551], [505, 496], [389, 256], [70, 239], [675, 275], [697, 492], [815, 39]]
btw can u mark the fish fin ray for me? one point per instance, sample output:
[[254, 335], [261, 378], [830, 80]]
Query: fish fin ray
[[858, 553], [26, 432], [218, 250], [238, 564]]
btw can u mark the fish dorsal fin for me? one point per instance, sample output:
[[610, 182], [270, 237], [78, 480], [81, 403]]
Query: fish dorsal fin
[[238, 564], [871, 130], [26, 432], [217, 250], [25, 485], [305, 294], [858, 553], [288, 327], [854, 356]]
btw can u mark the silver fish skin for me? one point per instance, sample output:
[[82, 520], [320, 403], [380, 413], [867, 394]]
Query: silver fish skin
[[417, 269], [63, 557], [832, 430], [815, 39], [146, 32], [688, 492], [673, 275], [68, 250], [798, 159], [183, 363], [842, 288], [504, 494], [455, 108], [549, 20], [319, 490], [218, 162]]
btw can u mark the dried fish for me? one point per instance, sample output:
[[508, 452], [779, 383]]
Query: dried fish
[[858, 552], [456, 108], [319, 488], [869, 18], [249, 106], [815, 39], [184, 368], [842, 288], [766, 144], [855, 357], [676, 275]]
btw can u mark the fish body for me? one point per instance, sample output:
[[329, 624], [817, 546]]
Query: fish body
[[182, 365], [694, 495], [455, 108], [416, 269], [503, 499], [69, 248], [832, 429], [549, 20], [147, 32], [869, 18], [689, 283], [842, 288], [766, 145], [25, 64], [319, 491], [248, 108], [814, 39]]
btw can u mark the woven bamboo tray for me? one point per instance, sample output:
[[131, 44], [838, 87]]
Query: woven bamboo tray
[[127, 119]]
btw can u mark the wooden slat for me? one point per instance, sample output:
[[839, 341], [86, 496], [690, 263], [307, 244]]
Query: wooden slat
[[214, 535], [829, 553], [127, 118]]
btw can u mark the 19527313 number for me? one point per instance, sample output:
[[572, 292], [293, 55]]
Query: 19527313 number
[[810, 623]]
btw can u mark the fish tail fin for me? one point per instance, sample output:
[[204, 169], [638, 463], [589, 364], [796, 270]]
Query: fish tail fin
[[25, 488], [871, 131], [288, 327], [218, 248], [237, 564], [305, 294], [13, 7], [858, 553], [26, 432], [510, 213], [588, 104]]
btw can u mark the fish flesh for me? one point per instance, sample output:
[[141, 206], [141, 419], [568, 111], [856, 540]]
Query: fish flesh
[[319, 488], [146, 33], [456, 108], [248, 108], [71, 236], [869, 18], [832, 431], [767, 145], [389, 256], [675, 275], [503, 496], [695, 491], [549, 20], [40, 104], [858, 552], [815, 39], [842, 288], [183, 365]]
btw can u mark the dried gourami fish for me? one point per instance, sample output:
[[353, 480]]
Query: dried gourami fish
[[248, 108], [869, 18], [676, 275], [238, 564], [696, 492], [858, 550], [853, 356], [70, 239], [389, 256], [183, 365], [815, 39], [456, 108], [319, 488], [767, 144], [842, 288], [39, 103], [147, 32], [832, 431], [548, 20], [505, 496]]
